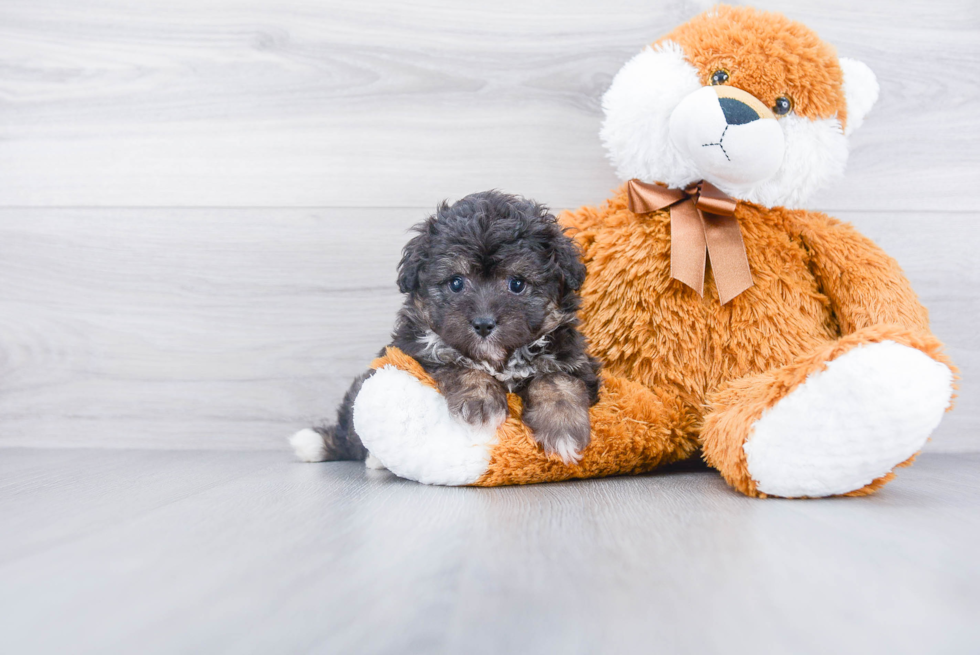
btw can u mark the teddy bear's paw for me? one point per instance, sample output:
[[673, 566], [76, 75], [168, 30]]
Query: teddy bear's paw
[[408, 426], [871, 408]]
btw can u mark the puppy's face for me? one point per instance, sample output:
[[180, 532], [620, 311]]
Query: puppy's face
[[490, 274], [486, 310]]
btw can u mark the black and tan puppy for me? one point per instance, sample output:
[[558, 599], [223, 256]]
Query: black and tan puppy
[[491, 284]]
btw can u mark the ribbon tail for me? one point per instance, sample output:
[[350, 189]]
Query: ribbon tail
[[688, 246], [726, 250]]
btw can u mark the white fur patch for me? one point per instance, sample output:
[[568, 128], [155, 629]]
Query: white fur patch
[[308, 445], [815, 152], [860, 91], [407, 425], [374, 463], [637, 108], [871, 409], [567, 450]]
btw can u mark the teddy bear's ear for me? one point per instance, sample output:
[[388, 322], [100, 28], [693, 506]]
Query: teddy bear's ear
[[860, 90]]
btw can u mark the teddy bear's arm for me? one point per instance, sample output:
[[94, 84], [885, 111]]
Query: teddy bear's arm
[[865, 285]]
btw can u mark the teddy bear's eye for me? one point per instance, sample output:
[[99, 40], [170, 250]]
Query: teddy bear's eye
[[782, 106], [719, 77]]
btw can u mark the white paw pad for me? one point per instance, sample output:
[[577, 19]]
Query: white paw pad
[[407, 425], [871, 409]]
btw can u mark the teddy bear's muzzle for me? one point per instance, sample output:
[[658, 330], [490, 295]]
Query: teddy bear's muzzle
[[728, 134]]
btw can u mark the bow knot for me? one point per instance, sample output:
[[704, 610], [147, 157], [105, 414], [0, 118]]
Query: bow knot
[[702, 226]]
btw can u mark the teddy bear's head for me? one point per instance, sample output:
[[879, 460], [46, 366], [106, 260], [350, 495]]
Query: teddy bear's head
[[748, 100]]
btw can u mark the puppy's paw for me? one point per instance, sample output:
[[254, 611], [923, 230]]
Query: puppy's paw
[[556, 408], [561, 429], [481, 406]]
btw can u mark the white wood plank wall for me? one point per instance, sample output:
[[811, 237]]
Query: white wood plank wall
[[202, 203]]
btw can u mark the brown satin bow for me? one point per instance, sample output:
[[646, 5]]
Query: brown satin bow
[[702, 224]]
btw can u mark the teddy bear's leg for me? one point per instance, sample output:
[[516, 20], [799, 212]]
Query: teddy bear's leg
[[405, 423], [836, 421]]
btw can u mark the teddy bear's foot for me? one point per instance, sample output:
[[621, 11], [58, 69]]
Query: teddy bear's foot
[[850, 424], [406, 425]]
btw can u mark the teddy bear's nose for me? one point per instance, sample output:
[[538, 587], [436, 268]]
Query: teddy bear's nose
[[737, 112], [740, 107]]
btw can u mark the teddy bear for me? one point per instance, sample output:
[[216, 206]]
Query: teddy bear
[[777, 343]]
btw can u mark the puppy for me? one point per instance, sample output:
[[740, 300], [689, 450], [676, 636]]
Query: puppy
[[491, 299]]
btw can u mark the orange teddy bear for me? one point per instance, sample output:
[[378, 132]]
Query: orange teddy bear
[[777, 343]]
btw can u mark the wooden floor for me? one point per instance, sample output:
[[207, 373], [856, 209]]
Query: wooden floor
[[116, 551]]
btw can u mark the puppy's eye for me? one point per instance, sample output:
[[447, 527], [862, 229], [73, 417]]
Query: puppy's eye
[[516, 285], [456, 283], [782, 106], [719, 77]]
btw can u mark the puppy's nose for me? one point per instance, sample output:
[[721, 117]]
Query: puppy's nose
[[483, 326], [737, 112]]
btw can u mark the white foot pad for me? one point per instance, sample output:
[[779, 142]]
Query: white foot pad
[[407, 425], [871, 409]]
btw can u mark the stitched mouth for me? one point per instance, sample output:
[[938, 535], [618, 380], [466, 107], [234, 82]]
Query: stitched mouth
[[719, 143]]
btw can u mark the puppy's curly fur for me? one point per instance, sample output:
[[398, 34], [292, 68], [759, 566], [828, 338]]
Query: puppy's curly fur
[[492, 298]]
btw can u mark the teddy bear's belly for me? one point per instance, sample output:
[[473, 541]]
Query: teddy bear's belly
[[650, 328]]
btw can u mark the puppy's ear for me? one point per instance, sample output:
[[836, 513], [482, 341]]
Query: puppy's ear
[[414, 256], [568, 257]]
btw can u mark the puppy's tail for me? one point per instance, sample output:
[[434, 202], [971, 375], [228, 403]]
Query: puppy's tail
[[325, 445], [335, 442]]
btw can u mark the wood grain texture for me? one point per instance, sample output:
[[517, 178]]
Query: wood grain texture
[[164, 552], [310, 103], [231, 328]]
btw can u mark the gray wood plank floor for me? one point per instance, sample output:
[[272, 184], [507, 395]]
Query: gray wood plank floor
[[219, 552]]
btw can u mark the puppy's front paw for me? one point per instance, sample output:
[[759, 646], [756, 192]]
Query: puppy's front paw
[[556, 408], [482, 406], [561, 429]]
